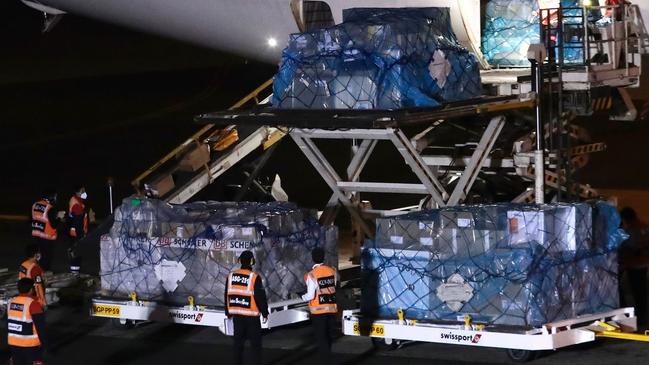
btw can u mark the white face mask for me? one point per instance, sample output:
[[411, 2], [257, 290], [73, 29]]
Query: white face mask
[[84, 195]]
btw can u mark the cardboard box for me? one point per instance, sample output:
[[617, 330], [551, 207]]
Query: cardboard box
[[195, 159], [163, 184]]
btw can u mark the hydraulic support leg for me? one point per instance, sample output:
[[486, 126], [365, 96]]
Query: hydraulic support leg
[[478, 158], [361, 156], [331, 178]]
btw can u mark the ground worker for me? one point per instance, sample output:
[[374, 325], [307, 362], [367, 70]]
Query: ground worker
[[245, 300], [321, 295], [44, 224], [78, 223], [634, 261], [31, 269], [25, 326], [611, 8]]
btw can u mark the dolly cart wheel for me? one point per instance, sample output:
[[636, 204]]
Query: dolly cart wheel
[[124, 324], [521, 356], [385, 344]]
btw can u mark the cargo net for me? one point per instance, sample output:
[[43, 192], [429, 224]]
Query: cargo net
[[377, 59], [166, 252], [515, 265], [512, 25]]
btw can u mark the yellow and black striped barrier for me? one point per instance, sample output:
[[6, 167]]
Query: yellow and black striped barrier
[[602, 103]]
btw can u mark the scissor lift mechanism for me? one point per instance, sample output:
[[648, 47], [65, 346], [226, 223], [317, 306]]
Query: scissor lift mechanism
[[135, 310], [369, 127], [343, 189]]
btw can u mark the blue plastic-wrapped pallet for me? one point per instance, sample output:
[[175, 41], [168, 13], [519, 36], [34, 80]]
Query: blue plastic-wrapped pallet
[[377, 59], [167, 252], [512, 25], [506, 264]]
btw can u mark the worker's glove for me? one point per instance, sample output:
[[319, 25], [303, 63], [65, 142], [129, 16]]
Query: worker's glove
[[264, 320]]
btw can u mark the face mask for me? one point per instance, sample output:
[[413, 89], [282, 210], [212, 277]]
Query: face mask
[[84, 195]]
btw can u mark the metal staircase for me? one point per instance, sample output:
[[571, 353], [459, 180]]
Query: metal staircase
[[207, 154]]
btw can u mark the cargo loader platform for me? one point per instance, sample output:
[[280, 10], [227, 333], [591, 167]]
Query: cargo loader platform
[[130, 312], [521, 345]]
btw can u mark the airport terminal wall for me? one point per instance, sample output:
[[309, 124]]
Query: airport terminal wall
[[166, 252], [377, 59], [505, 264]]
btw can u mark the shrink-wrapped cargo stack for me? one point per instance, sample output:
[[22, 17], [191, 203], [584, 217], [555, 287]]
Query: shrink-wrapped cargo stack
[[512, 25], [377, 58], [507, 264], [168, 252]]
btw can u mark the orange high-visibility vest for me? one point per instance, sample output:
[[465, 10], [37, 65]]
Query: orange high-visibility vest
[[74, 200], [325, 296], [21, 331], [241, 293], [26, 271], [41, 225]]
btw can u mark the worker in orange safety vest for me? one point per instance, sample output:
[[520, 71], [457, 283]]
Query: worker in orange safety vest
[[78, 214], [31, 269], [44, 225], [633, 257], [78, 223], [321, 294], [245, 300], [25, 326]]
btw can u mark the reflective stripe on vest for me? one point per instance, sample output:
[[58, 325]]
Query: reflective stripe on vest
[[324, 300], [21, 331], [41, 225], [241, 293]]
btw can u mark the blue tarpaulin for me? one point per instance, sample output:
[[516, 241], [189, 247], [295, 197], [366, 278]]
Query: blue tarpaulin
[[512, 25], [377, 59], [506, 264]]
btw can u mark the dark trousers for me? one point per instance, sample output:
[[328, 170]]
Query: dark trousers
[[26, 355], [324, 329], [638, 283], [247, 328], [73, 255], [47, 251]]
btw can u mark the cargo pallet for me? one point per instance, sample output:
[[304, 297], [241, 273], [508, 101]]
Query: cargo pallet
[[128, 313], [521, 346]]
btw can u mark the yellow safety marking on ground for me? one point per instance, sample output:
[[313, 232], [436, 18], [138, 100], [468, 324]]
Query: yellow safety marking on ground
[[376, 330], [106, 310]]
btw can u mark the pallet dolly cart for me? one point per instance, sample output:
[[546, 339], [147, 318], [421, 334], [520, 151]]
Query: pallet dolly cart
[[521, 345], [128, 313]]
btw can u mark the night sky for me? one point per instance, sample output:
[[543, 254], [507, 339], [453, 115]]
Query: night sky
[[90, 100]]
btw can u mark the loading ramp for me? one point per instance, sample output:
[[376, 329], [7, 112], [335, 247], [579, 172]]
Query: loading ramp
[[196, 162]]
